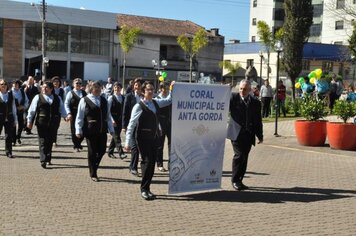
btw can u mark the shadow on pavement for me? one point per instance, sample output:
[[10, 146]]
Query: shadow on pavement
[[136, 180], [268, 195], [229, 173]]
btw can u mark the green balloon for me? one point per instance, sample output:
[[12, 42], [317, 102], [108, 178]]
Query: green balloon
[[164, 74], [312, 74], [301, 80]]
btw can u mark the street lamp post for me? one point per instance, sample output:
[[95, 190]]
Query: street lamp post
[[44, 38], [261, 57], [279, 49], [159, 66]]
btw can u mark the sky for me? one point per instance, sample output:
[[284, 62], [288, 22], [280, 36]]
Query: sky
[[230, 16]]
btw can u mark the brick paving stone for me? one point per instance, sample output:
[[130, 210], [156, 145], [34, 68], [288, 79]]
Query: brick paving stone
[[295, 190]]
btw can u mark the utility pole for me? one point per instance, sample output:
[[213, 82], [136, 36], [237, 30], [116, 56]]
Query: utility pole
[[44, 41]]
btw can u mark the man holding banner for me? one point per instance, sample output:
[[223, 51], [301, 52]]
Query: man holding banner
[[245, 123]]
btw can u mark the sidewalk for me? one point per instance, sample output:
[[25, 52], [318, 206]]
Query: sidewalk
[[295, 190]]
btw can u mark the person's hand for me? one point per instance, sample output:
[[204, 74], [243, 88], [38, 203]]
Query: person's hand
[[124, 130], [29, 125], [260, 141], [78, 136], [172, 85], [114, 124], [127, 148], [69, 117]]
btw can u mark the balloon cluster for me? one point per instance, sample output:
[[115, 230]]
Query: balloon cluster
[[313, 77], [163, 76]]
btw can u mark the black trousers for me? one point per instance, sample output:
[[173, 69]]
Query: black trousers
[[266, 106], [57, 124], [9, 132], [134, 156], [148, 151], [46, 135], [116, 142], [20, 126], [96, 150], [166, 132], [77, 142], [241, 146]]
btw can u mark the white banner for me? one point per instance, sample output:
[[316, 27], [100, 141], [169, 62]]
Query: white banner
[[199, 118]]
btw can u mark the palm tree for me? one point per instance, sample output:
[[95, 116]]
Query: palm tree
[[192, 45], [232, 68], [127, 39]]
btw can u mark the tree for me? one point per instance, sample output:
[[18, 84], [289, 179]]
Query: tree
[[232, 68], [127, 39], [268, 39], [299, 18], [192, 45], [343, 10], [352, 42]]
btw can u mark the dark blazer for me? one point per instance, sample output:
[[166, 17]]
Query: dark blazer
[[129, 103], [247, 116]]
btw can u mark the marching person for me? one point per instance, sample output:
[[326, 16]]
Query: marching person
[[247, 123], [130, 100], [144, 122], [31, 91], [8, 116], [48, 109], [21, 102], [59, 91], [116, 102], [71, 105], [165, 120], [93, 122]]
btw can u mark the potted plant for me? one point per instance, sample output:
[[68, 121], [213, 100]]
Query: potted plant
[[312, 130], [343, 135]]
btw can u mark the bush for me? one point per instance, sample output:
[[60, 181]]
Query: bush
[[312, 108], [344, 109]]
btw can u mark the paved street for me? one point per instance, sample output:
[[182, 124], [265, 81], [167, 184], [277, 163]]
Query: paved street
[[295, 190]]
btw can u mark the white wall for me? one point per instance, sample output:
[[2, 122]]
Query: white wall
[[96, 71], [263, 12]]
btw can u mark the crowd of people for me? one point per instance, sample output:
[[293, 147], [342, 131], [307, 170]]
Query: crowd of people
[[93, 111]]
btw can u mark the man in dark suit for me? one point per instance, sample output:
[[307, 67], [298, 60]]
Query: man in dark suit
[[31, 91], [130, 100], [246, 122]]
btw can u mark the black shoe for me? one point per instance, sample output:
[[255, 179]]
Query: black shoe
[[133, 172], [239, 186], [111, 155], [43, 164], [123, 156], [49, 163], [95, 179], [146, 196], [9, 155], [14, 143], [19, 141], [151, 195]]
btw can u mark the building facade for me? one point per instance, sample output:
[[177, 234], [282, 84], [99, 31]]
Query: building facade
[[332, 21], [84, 43]]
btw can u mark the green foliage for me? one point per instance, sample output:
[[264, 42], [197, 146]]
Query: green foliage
[[344, 109], [229, 66], [193, 46], [128, 37], [312, 108], [299, 18], [352, 42]]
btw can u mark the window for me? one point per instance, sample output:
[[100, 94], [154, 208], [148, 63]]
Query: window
[[254, 20], [341, 68], [57, 37], [88, 40], [338, 43], [253, 39], [327, 66], [340, 4], [339, 25], [315, 30], [305, 65], [278, 14], [354, 1], [1, 33], [254, 3], [317, 10], [249, 62]]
